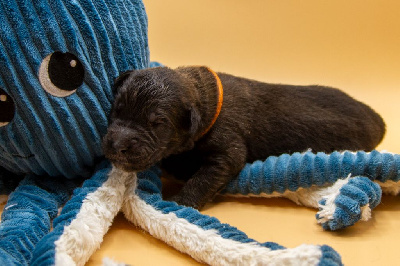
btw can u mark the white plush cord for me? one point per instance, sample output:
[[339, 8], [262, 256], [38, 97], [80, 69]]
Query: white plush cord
[[327, 211], [206, 245], [111, 262], [308, 197], [83, 236], [390, 187]]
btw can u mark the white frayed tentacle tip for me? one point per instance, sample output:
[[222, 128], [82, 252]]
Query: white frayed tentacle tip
[[365, 213], [390, 187], [328, 209], [111, 262]]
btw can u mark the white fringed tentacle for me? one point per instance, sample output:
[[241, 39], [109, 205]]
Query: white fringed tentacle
[[85, 233]]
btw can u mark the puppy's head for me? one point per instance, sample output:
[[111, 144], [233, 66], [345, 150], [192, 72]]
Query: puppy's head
[[154, 115]]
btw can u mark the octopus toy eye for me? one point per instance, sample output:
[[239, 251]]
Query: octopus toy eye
[[7, 108], [61, 74]]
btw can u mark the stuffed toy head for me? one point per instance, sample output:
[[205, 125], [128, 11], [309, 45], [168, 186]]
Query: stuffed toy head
[[58, 60]]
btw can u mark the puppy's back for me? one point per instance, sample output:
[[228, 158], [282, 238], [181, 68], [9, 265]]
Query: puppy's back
[[276, 119]]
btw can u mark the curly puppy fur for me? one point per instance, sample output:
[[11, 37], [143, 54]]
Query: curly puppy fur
[[159, 114]]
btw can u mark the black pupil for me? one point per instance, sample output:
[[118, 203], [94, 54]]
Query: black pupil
[[7, 108], [66, 71]]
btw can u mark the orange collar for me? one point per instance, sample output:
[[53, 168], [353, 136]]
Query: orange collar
[[220, 99]]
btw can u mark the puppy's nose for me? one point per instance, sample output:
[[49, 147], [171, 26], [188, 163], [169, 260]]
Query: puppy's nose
[[122, 146]]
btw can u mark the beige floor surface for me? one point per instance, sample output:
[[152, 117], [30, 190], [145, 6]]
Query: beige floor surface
[[352, 45]]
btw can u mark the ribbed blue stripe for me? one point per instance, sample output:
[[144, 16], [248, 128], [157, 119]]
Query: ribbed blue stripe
[[120, 13], [24, 110], [291, 172], [50, 26], [33, 104], [23, 36], [149, 190], [115, 53], [27, 215], [138, 24], [91, 29]]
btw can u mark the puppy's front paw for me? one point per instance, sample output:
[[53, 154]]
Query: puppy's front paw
[[185, 201]]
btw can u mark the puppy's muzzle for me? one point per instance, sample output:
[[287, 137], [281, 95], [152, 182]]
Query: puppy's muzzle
[[120, 143]]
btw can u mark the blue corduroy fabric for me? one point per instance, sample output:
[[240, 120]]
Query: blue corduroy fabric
[[60, 136], [291, 172], [44, 252], [149, 189], [27, 216], [354, 195], [329, 257], [51, 138]]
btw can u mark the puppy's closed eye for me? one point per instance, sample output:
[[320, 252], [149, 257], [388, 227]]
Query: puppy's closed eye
[[152, 117], [156, 120]]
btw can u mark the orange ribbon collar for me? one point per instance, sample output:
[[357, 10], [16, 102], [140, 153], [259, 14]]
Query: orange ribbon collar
[[220, 100]]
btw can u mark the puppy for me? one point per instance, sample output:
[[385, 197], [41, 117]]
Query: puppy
[[205, 126]]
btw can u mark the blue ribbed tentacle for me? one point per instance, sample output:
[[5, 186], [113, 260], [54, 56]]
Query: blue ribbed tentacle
[[149, 190], [329, 257], [356, 194], [27, 216], [291, 172], [44, 253]]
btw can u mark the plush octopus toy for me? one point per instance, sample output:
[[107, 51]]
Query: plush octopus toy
[[58, 61]]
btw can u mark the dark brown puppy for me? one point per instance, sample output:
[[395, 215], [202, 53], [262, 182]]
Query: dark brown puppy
[[162, 114]]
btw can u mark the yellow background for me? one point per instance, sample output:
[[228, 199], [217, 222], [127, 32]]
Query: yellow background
[[352, 45]]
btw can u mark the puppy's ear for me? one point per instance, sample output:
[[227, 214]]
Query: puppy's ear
[[195, 120], [120, 80], [192, 120]]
